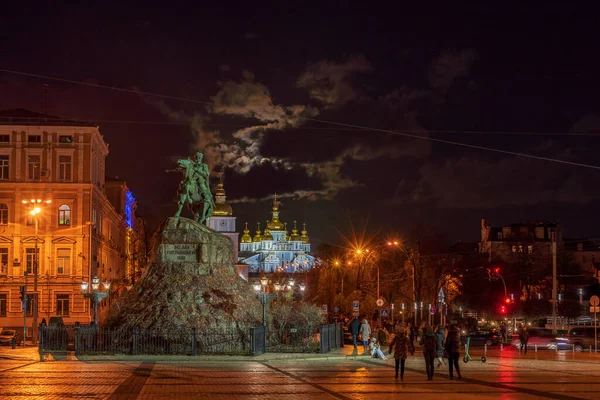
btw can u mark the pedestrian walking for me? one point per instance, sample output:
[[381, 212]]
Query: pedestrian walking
[[523, 339], [354, 329], [399, 346], [365, 332], [452, 347], [429, 343], [439, 337], [503, 332], [382, 336]]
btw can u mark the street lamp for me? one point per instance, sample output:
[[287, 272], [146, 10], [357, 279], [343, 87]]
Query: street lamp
[[265, 298], [35, 208], [95, 294]]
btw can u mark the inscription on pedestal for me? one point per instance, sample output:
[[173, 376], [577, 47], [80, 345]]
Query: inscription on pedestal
[[180, 253]]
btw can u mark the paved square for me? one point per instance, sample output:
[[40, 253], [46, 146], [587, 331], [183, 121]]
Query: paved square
[[538, 376]]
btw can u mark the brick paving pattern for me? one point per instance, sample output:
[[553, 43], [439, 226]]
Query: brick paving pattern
[[547, 376]]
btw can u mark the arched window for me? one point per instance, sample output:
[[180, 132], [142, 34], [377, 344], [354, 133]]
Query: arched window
[[3, 214], [64, 215]]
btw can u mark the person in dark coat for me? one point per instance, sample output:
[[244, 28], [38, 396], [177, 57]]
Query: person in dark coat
[[523, 339], [439, 337], [354, 327], [429, 343], [453, 350], [400, 347]]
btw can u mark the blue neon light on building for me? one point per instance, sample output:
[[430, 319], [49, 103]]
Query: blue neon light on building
[[129, 201]]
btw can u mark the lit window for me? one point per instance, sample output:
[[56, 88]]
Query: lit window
[[4, 167], [530, 249], [64, 215], [3, 214], [33, 167], [514, 249], [65, 139]]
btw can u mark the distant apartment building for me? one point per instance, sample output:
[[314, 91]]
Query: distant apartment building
[[86, 229], [520, 240]]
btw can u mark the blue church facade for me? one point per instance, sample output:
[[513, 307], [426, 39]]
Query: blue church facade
[[274, 249]]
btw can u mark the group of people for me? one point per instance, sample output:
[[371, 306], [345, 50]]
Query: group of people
[[435, 344]]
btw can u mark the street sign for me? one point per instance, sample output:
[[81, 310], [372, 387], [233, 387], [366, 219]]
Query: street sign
[[355, 305], [355, 313], [594, 309], [385, 313], [324, 308], [379, 302], [594, 300], [432, 310], [336, 309], [23, 305]]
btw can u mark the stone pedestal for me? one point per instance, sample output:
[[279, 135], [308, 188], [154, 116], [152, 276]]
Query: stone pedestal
[[190, 282]]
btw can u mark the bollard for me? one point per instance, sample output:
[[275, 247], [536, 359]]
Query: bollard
[[501, 347], [573, 348], [194, 342], [485, 349], [590, 349], [535, 348], [13, 342]]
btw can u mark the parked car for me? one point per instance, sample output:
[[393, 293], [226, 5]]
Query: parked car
[[544, 339], [480, 338], [7, 336], [582, 337]]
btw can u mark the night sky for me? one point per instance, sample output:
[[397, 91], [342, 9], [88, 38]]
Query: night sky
[[262, 75]]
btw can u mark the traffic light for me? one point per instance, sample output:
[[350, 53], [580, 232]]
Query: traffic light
[[507, 300], [503, 310]]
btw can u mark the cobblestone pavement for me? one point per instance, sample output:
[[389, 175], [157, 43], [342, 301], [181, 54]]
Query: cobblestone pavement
[[563, 378]]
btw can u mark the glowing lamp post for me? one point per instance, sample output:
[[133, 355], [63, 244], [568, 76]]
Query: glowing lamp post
[[95, 294], [35, 208]]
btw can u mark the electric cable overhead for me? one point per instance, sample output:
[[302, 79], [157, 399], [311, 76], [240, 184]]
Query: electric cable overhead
[[358, 127]]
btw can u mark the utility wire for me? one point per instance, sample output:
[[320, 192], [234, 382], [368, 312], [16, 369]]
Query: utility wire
[[96, 85], [472, 146], [359, 127]]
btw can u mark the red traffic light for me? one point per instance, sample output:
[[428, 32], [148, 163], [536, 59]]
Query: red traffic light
[[503, 310], [507, 300], [497, 270]]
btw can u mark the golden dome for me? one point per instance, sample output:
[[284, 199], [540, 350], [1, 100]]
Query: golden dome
[[295, 237], [275, 224], [257, 237], [222, 208], [267, 235], [246, 238], [304, 236]]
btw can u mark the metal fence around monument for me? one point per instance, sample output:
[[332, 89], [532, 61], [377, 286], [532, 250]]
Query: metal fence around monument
[[90, 339]]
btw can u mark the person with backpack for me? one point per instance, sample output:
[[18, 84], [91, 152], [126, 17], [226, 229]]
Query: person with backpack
[[400, 347], [439, 338], [429, 343]]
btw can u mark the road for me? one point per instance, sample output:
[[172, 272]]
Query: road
[[560, 376]]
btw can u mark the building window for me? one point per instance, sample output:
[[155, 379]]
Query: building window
[[5, 138], [529, 249], [62, 304], [3, 261], [64, 168], [34, 139], [514, 249], [3, 214], [3, 303], [64, 215], [4, 168], [33, 167], [63, 261], [65, 139], [30, 253]]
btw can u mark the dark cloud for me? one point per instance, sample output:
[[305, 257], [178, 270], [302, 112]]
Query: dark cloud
[[329, 83]]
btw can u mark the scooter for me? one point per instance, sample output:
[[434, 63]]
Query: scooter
[[467, 357]]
